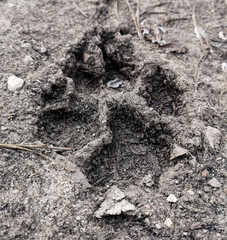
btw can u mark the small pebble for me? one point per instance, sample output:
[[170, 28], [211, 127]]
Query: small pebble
[[26, 45], [213, 136], [15, 83], [225, 190], [177, 151], [193, 163], [28, 59], [147, 221], [148, 181], [158, 226], [3, 128], [191, 192], [116, 83], [205, 173], [172, 198], [214, 183], [206, 189], [168, 223], [43, 49]]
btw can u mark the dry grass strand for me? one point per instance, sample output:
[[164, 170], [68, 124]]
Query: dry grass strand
[[135, 19], [22, 147]]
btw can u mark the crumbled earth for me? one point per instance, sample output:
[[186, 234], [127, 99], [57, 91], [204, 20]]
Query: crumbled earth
[[144, 116]]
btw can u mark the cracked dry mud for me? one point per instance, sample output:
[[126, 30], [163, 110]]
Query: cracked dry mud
[[122, 136]]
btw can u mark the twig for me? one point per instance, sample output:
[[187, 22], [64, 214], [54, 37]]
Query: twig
[[173, 19], [8, 115], [157, 12], [151, 12], [137, 14], [13, 146], [44, 146], [81, 12], [197, 66], [196, 28], [116, 11], [167, 7], [222, 92], [135, 20], [199, 32], [160, 4], [155, 6], [225, 84]]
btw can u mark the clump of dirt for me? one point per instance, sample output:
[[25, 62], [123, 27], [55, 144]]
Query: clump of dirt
[[100, 56]]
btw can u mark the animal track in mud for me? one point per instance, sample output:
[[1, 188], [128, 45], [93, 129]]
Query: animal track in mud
[[133, 152], [98, 59], [114, 145], [160, 90], [56, 93], [68, 128]]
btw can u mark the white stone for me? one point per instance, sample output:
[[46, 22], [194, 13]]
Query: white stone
[[28, 59], [214, 183], [3, 128], [172, 198], [213, 136], [26, 45], [115, 204], [4, 23], [121, 207], [148, 181], [116, 83], [224, 67], [14, 83], [158, 226], [222, 36], [168, 223], [177, 151], [43, 49], [191, 192], [147, 221]]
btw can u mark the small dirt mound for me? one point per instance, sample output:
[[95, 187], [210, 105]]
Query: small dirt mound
[[100, 57]]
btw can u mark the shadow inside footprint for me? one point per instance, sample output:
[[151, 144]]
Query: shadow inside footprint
[[160, 91], [68, 128], [130, 156]]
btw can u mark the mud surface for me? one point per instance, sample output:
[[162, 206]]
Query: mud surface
[[145, 116]]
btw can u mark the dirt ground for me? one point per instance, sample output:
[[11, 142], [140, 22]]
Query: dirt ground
[[143, 120]]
